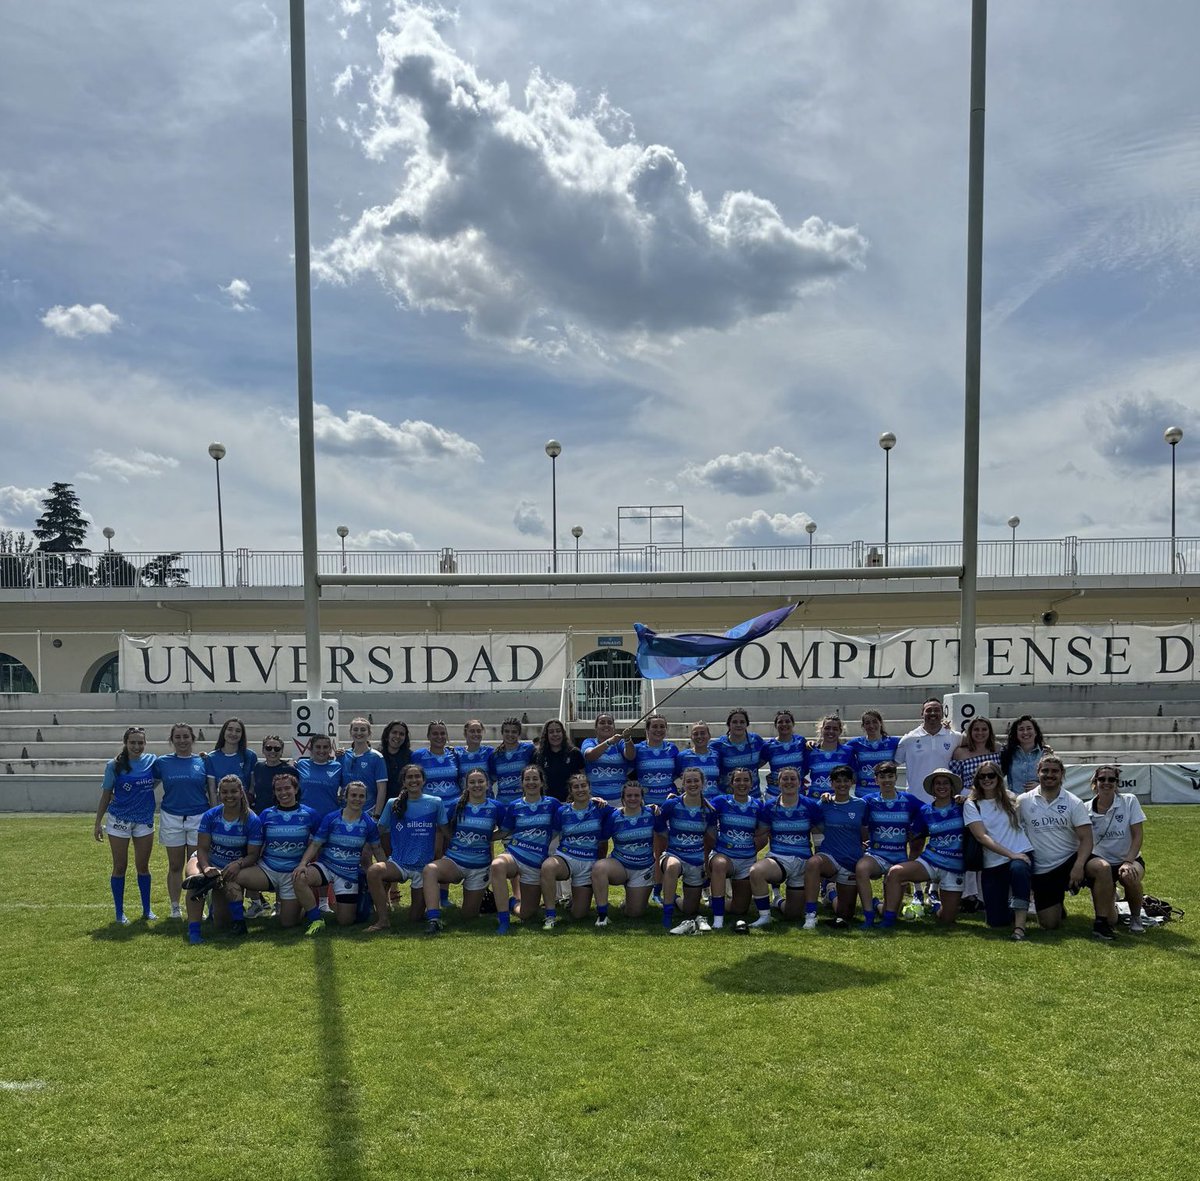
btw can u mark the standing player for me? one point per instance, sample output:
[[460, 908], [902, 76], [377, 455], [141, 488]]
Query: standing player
[[655, 761], [739, 837], [827, 752], [189, 790], [701, 754], [232, 756], [786, 749], [474, 753], [739, 746], [631, 862], [468, 858], [126, 813], [684, 825], [790, 820], [872, 747], [580, 824], [396, 748], [320, 777], [366, 765], [509, 761], [604, 759], [893, 820]]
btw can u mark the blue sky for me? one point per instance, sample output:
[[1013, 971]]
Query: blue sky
[[713, 249]]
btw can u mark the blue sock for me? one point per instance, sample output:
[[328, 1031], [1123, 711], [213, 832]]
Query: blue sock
[[889, 918], [656, 892], [869, 918], [669, 914], [602, 911], [718, 907], [810, 908], [763, 904], [313, 915], [237, 911], [503, 919], [444, 895], [194, 933], [551, 913], [144, 891], [434, 914], [512, 904], [118, 893]]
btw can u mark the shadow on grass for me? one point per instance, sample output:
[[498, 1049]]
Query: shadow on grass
[[775, 973]]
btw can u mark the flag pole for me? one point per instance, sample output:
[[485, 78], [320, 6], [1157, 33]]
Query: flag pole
[[684, 685]]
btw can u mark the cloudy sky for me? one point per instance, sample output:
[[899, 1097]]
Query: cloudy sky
[[713, 249]]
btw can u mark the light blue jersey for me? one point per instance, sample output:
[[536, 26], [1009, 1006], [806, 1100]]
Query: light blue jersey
[[229, 839], [890, 823], [632, 837], [133, 790], [507, 768], [843, 830], [792, 828], [685, 828], [944, 842], [531, 827], [779, 754], [412, 827], [369, 767], [657, 768], [342, 842], [321, 785], [608, 772], [442, 776], [709, 763], [474, 832], [869, 755], [185, 783], [822, 762], [240, 763], [581, 831], [285, 836], [748, 754], [474, 760], [736, 826]]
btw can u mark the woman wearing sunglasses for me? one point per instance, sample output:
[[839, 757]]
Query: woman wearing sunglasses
[[1117, 819], [990, 814]]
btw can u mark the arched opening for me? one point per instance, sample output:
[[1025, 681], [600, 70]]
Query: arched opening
[[14, 676], [607, 681], [104, 676]]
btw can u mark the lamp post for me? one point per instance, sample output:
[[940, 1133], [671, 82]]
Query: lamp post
[[1013, 522], [217, 451], [109, 533], [554, 450], [887, 441], [810, 529], [1172, 435], [343, 531], [577, 533]]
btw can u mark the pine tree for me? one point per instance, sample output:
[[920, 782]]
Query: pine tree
[[61, 525]]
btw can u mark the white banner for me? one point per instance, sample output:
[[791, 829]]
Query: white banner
[[1137, 778], [1174, 783], [431, 663]]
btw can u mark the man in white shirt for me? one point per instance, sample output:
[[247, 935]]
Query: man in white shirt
[[1060, 831], [926, 749]]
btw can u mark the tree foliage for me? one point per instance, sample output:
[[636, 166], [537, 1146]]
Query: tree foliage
[[113, 569], [164, 570], [61, 525], [16, 561]]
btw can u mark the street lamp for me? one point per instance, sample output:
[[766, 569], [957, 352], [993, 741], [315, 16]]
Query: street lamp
[[217, 451], [577, 533], [887, 441], [1013, 522], [810, 529], [343, 531], [554, 450], [109, 533], [1172, 435]]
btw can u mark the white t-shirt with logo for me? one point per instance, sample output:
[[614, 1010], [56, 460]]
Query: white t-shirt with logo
[[1051, 826], [999, 827], [921, 753], [1111, 829]]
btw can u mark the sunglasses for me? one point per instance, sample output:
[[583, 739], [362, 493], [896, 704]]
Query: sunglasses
[[987, 775], [1106, 779], [273, 750]]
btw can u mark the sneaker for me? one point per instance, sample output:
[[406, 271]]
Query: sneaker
[[687, 927], [602, 922], [549, 924], [257, 906], [315, 927], [839, 924], [122, 920], [176, 912], [656, 900], [1102, 929], [325, 907], [238, 927], [434, 927], [763, 920], [194, 937], [1136, 926], [151, 917], [1018, 935], [810, 921], [449, 904], [702, 926]]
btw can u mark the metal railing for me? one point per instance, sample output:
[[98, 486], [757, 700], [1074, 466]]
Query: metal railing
[[266, 568]]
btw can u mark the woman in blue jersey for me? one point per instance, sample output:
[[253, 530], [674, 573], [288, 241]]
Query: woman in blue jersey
[[655, 761], [872, 747], [580, 825], [362, 762], [1023, 749], [685, 826], [893, 819], [230, 840], [845, 818], [396, 749], [701, 754], [789, 821], [828, 751], [739, 820], [474, 753], [321, 777], [604, 759], [630, 828], [126, 813], [527, 826], [941, 861], [990, 815], [189, 790], [231, 756], [510, 759], [468, 857], [739, 746], [287, 829], [559, 758], [334, 857], [409, 830], [786, 749]]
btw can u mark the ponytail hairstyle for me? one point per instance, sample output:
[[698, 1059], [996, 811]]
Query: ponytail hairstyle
[[121, 763], [512, 722], [400, 803], [244, 806], [874, 713], [465, 797]]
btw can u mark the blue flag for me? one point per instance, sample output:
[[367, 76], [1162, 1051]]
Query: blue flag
[[659, 657]]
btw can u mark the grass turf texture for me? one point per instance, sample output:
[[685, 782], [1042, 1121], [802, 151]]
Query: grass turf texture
[[578, 1053]]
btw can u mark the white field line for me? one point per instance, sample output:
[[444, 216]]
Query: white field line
[[32, 1084]]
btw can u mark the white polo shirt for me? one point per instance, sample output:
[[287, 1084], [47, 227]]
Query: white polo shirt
[[1051, 826], [921, 753], [1110, 830]]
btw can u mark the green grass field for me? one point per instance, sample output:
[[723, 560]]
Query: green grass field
[[577, 1054]]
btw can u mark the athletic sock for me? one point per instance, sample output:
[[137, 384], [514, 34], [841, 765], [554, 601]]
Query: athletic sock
[[868, 919], [434, 914], [512, 904], [889, 918], [602, 911], [810, 908], [656, 893], [236, 911], [313, 915], [763, 904], [551, 913], [669, 914], [444, 895], [718, 907], [194, 933], [118, 893], [503, 919], [144, 891]]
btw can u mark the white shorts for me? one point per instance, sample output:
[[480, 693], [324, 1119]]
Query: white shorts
[[412, 874], [472, 879], [692, 875], [126, 828], [793, 870], [948, 879], [528, 875], [740, 867], [638, 879], [581, 871], [281, 882], [883, 862], [842, 876], [174, 831], [340, 885]]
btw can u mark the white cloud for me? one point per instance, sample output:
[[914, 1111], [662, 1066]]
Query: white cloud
[[547, 220], [343, 80], [77, 321], [368, 437], [753, 474], [141, 465], [22, 505], [374, 539], [19, 215], [763, 528], [528, 519], [1130, 431], [238, 294]]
